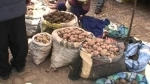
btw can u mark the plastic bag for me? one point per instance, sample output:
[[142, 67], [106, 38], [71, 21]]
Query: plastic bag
[[141, 79], [143, 52], [32, 29], [39, 51]]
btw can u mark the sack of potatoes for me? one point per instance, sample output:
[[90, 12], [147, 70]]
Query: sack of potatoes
[[59, 17]]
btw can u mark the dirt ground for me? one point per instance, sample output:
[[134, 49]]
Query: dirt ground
[[115, 12]]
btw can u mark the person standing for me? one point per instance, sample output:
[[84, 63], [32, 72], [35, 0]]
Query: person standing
[[99, 6], [13, 36]]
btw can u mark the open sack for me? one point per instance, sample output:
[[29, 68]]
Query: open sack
[[65, 52], [45, 24], [95, 66], [39, 50], [137, 56]]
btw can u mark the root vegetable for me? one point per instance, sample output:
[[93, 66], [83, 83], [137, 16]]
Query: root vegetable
[[103, 52], [134, 82], [99, 49], [111, 56], [108, 41], [88, 50], [103, 46], [116, 49], [91, 42], [95, 47], [95, 53], [42, 38], [123, 81], [98, 44], [107, 47], [99, 40]]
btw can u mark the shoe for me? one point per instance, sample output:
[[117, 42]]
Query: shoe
[[18, 69], [5, 77], [98, 10]]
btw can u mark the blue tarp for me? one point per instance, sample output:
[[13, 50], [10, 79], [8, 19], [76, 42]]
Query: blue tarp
[[94, 25], [141, 79], [143, 56]]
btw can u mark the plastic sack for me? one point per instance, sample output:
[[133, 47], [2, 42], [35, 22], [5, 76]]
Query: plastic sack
[[143, 52], [63, 52], [115, 31], [45, 24], [141, 79], [38, 50], [32, 29]]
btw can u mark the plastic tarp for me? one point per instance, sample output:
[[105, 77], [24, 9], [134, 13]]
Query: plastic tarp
[[143, 51], [141, 79]]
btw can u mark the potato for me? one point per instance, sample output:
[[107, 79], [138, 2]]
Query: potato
[[111, 56], [107, 47], [99, 40], [98, 44], [95, 47], [104, 52], [99, 49], [123, 81], [91, 42], [103, 46], [88, 50], [95, 53], [107, 41]]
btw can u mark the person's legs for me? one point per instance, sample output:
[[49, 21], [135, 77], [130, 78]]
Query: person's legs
[[5, 67], [99, 6], [18, 43]]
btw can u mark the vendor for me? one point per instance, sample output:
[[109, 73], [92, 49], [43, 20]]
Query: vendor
[[76, 7]]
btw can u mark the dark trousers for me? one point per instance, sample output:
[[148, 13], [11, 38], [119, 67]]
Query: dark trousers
[[13, 35], [100, 4]]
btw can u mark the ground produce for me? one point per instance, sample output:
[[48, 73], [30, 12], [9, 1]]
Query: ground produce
[[59, 17], [42, 38], [100, 47], [73, 34], [124, 81]]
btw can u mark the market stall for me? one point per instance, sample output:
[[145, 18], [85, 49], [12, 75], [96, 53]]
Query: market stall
[[92, 48]]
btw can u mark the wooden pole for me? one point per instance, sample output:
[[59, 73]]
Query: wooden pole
[[133, 12]]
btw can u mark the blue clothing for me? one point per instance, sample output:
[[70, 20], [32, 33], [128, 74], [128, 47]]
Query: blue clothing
[[94, 25], [10, 9]]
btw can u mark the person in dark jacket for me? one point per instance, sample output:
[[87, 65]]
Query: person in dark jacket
[[77, 7], [99, 6], [13, 36]]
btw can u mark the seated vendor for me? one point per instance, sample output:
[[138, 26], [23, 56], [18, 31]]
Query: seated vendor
[[77, 7]]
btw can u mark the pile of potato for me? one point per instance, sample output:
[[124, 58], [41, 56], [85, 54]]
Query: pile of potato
[[43, 38], [124, 81], [59, 17], [100, 47], [73, 34]]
